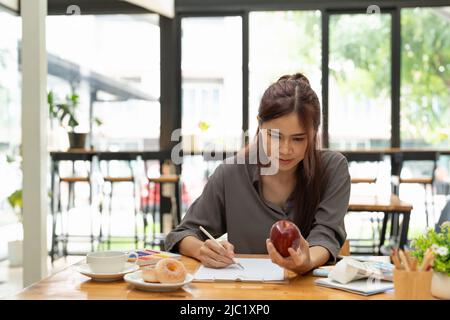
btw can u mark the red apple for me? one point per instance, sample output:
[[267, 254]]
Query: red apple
[[285, 234]]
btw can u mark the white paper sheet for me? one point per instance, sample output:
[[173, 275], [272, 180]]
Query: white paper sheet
[[254, 270]]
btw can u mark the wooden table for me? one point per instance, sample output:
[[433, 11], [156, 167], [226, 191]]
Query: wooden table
[[392, 207], [69, 284], [390, 203]]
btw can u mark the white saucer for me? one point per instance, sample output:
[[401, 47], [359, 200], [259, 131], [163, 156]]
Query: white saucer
[[86, 270], [136, 280]]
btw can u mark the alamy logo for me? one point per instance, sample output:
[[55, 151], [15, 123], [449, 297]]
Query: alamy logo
[[73, 10], [373, 9]]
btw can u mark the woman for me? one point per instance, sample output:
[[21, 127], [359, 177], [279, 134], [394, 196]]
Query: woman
[[309, 186]]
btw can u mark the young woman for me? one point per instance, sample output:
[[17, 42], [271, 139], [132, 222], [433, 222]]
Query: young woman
[[310, 187]]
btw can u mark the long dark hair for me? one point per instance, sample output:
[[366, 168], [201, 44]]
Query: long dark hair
[[293, 93]]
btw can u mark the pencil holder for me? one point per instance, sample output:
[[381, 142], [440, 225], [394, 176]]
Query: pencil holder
[[412, 285]]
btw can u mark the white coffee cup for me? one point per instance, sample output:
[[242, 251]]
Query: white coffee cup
[[108, 261]]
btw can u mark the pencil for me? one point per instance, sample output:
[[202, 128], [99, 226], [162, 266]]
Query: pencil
[[217, 242], [395, 260], [404, 260], [409, 259], [427, 260], [414, 264]]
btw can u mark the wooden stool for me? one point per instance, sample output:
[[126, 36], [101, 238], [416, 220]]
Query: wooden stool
[[391, 207], [424, 181], [363, 180], [64, 236], [355, 157], [113, 180], [371, 178], [176, 218]]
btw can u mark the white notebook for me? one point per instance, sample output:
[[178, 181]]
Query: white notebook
[[364, 286], [260, 270]]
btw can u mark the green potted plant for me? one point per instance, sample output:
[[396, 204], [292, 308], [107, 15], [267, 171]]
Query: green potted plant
[[14, 200], [439, 244], [65, 113], [15, 247]]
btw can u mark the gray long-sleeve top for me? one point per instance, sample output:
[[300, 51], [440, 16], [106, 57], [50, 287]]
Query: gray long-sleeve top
[[232, 203]]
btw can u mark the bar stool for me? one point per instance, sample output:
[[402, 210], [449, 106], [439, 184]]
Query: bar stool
[[112, 181], [157, 239], [371, 179], [368, 180], [375, 158], [425, 181], [64, 236]]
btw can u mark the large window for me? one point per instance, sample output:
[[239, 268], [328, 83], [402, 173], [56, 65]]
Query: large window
[[10, 127], [211, 65], [360, 81], [112, 62], [425, 77], [9, 82], [282, 43]]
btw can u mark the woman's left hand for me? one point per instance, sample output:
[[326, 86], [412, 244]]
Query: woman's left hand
[[299, 260]]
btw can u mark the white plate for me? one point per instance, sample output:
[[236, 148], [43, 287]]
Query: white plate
[[136, 280], [86, 270]]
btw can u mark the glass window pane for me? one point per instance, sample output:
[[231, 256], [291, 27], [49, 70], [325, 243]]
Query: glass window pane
[[425, 77], [112, 61], [360, 81], [10, 114], [282, 43], [211, 83], [10, 94]]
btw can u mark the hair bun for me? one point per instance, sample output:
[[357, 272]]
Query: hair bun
[[300, 77]]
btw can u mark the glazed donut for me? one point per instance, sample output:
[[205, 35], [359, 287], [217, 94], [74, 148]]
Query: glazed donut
[[149, 274], [169, 270]]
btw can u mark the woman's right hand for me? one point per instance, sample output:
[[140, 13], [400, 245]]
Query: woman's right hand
[[214, 256]]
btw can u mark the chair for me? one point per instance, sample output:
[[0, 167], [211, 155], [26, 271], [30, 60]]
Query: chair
[[113, 180], [157, 183], [445, 216], [363, 180], [425, 181], [358, 162], [363, 157], [72, 181]]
